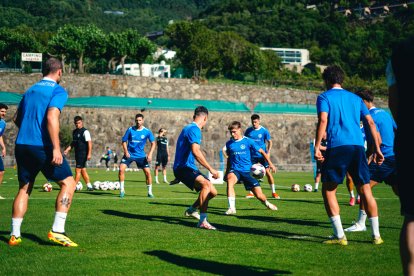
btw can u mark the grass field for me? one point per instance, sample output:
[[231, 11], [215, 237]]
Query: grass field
[[141, 236]]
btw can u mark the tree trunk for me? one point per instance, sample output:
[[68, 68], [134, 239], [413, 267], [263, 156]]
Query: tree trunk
[[80, 65], [122, 63]]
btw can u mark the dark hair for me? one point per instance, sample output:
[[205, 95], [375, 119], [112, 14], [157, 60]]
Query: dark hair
[[333, 74], [366, 95], [139, 115], [77, 118], [2, 105], [200, 110], [161, 130], [234, 124], [255, 117], [51, 66]]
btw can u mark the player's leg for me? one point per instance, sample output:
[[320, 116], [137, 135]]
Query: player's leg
[[77, 174], [332, 209], [231, 194], [1, 177], [19, 209], [164, 168], [271, 182], [121, 177], [148, 180], [370, 204], [207, 191], [350, 186], [157, 167], [86, 178], [107, 164], [257, 191], [407, 245]]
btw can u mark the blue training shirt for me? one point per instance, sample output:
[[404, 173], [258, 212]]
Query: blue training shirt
[[239, 153], [184, 157], [2, 126], [32, 112], [136, 139], [345, 110], [260, 136], [386, 127]]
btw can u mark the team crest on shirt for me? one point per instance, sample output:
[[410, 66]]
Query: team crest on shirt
[[260, 135], [242, 146], [142, 136]]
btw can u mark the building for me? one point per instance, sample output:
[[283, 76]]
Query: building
[[291, 56]]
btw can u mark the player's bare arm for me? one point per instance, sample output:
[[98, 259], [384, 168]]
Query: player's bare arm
[[149, 156], [124, 148], [267, 158], [378, 156], [89, 150], [320, 131], [53, 114]]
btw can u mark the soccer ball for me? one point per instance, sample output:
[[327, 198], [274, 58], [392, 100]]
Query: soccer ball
[[307, 188], [295, 188], [47, 187], [257, 171], [96, 185], [111, 186], [79, 186], [117, 185], [104, 186]]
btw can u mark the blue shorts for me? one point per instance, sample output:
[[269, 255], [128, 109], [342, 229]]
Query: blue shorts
[[33, 159], [260, 160], [1, 165], [142, 162], [249, 181], [340, 160], [188, 176], [386, 172]]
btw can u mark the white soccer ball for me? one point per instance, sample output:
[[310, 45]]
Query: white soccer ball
[[104, 186], [295, 188], [111, 186], [79, 186], [117, 185], [96, 185], [47, 187], [257, 171], [307, 188]]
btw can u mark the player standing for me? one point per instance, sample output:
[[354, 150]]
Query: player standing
[[185, 170], [339, 114], [133, 145], [239, 149], [163, 154], [38, 149], [262, 137], [82, 143], [3, 111]]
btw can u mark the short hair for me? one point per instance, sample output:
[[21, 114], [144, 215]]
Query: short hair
[[255, 117], [200, 110], [3, 106], [52, 65], [77, 118], [161, 130], [139, 115], [333, 74], [234, 124], [366, 95]]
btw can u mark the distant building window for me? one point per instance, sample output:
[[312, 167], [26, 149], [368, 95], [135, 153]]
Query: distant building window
[[291, 55]]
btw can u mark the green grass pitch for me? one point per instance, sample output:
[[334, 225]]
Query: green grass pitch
[[141, 236]]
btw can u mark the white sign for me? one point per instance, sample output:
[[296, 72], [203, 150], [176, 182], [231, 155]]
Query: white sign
[[32, 57]]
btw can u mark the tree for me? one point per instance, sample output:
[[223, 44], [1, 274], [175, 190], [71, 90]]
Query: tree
[[142, 48], [78, 42], [15, 41]]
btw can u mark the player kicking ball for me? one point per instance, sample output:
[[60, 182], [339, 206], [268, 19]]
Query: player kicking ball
[[239, 150]]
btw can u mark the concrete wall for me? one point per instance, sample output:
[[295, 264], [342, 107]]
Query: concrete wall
[[291, 134]]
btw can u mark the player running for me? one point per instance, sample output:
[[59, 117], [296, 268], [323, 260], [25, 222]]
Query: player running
[[239, 149]]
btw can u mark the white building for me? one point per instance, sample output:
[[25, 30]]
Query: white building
[[291, 56]]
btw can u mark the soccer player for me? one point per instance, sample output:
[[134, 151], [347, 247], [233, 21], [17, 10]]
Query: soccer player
[[38, 149], [3, 111], [262, 137], [133, 145], [239, 150], [318, 164], [185, 170], [163, 154], [106, 157], [82, 143], [399, 81], [115, 163], [387, 172], [339, 114]]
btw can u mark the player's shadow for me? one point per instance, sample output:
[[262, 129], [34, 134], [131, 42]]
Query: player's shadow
[[221, 227], [95, 193], [213, 267], [302, 222], [26, 236], [319, 202]]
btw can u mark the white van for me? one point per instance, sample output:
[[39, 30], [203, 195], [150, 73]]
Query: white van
[[148, 70]]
